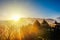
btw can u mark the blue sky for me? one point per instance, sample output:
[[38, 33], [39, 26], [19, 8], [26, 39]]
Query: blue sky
[[37, 8], [49, 8]]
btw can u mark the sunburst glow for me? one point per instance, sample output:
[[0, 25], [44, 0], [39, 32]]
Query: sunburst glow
[[15, 17]]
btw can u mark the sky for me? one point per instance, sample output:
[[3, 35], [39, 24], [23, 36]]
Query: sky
[[29, 8]]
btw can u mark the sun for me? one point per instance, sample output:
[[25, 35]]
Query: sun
[[15, 17]]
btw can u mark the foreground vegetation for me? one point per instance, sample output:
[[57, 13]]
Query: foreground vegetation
[[35, 31]]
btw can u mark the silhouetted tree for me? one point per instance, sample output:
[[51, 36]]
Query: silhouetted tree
[[36, 23], [45, 28], [57, 31]]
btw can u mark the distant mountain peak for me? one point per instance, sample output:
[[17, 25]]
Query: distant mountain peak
[[58, 17]]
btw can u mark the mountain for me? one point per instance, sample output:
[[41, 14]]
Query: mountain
[[35, 28], [26, 21], [58, 19]]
